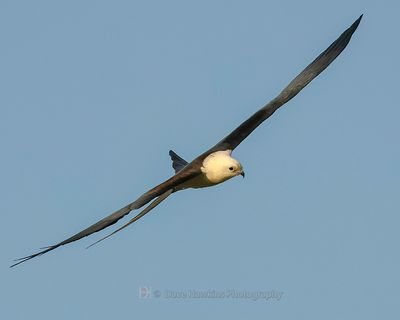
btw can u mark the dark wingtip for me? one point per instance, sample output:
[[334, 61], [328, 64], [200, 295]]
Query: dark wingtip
[[356, 23], [21, 260], [24, 259]]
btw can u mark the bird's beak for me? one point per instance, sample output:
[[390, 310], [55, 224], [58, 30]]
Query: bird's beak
[[242, 174]]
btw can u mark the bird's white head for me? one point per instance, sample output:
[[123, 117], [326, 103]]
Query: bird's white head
[[220, 166]]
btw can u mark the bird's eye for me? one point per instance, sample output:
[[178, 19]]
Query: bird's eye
[[231, 168]]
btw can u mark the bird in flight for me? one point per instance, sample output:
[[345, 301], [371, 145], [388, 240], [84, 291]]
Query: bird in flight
[[216, 165]]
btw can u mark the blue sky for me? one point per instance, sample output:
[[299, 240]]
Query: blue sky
[[95, 93]]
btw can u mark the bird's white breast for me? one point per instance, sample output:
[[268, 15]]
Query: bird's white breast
[[214, 170]]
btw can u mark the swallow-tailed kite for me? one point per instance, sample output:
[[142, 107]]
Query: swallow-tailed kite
[[216, 164]]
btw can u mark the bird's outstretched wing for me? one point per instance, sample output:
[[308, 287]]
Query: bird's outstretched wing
[[152, 205], [177, 162], [295, 86], [161, 191]]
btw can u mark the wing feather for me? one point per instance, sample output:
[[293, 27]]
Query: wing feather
[[152, 205], [177, 162], [166, 187], [295, 86]]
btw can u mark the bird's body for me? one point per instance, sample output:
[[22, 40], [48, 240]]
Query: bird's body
[[216, 165], [200, 181]]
